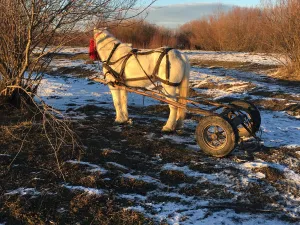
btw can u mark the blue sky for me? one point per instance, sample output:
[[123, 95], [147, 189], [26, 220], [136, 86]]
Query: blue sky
[[173, 13], [232, 2]]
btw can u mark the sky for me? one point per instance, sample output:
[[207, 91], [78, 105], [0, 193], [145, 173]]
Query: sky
[[174, 13], [231, 2]]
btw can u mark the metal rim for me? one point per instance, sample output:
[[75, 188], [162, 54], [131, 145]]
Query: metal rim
[[215, 136]]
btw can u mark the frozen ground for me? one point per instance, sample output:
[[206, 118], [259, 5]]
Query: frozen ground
[[166, 177], [279, 127], [259, 58]]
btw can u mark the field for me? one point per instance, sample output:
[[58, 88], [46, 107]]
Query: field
[[134, 173]]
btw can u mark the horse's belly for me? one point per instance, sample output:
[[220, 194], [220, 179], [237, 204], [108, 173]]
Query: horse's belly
[[137, 76], [139, 83]]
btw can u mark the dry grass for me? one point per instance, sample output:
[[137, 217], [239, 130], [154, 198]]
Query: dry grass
[[77, 56], [104, 143], [285, 73], [214, 63], [243, 66]]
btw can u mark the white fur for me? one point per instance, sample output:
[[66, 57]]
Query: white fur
[[179, 73]]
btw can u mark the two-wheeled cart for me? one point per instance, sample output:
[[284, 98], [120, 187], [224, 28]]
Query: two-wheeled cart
[[220, 128]]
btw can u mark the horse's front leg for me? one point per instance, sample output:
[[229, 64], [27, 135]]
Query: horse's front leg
[[171, 123], [118, 99], [123, 98]]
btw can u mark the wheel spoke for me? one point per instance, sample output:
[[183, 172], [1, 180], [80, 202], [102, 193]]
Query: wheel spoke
[[215, 136]]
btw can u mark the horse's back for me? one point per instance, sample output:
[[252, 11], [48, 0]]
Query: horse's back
[[148, 61]]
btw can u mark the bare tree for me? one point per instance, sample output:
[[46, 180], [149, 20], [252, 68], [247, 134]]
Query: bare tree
[[30, 31], [282, 23], [28, 28]]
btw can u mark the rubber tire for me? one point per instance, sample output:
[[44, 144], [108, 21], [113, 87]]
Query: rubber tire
[[254, 113], [226, 125]]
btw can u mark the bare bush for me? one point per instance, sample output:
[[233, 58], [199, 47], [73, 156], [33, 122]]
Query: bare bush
[[282, 24], [142, 34], [236, 30], [29, 27], [135, 31], [30, 30]]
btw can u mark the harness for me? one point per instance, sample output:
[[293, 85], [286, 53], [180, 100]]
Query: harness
[[120, 76]]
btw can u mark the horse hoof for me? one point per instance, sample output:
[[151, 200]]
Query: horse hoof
[[180, 132], [120, 122], [167, 130]]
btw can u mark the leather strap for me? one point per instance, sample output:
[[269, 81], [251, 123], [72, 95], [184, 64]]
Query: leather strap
[[116, 45], [120, 77]]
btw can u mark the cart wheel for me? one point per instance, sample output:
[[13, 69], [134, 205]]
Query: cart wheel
[[253, 114], [216, 136]]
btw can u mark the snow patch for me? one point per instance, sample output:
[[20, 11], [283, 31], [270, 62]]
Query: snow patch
[[117, 165], [215, 178], [259, 58], [87, 190], [24, 191], [95, 168], [289, 174], [144, 178], [133, 197]]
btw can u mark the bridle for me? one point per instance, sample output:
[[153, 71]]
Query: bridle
[[119, 76], [116, 45]]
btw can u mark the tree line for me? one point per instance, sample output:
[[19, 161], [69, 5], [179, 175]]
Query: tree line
[[273, 27]]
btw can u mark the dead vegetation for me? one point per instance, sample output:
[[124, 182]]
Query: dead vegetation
[[29, 168], [127, 167], [242, 66]]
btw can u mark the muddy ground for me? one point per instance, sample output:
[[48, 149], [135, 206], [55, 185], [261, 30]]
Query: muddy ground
[[135, 174]]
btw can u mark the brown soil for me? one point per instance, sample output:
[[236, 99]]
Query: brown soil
[[243, 66], [75, 71], [108, 146], [224, 86], [290, 107]]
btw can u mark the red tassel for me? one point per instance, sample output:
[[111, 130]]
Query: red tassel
[[93, 51]]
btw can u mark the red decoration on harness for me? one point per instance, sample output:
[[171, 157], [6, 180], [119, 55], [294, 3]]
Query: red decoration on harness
[[93, 51]]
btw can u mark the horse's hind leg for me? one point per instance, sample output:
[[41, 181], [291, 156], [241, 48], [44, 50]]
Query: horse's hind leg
[[171, 123], [117, 98]]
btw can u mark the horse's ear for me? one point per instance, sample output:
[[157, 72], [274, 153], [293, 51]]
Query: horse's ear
[[96, 30]]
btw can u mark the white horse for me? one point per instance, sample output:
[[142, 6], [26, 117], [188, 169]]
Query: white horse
[[137, 71]]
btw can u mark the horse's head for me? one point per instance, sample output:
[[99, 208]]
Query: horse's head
[[101, 33], [105, 43]]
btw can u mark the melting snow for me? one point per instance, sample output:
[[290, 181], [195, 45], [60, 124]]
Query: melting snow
[[89, 191], [117, 165], [144, 178], [259, 58], [133, 197], [279, 129], [289, 174], [216, 178], [23, 191], [95, 168]]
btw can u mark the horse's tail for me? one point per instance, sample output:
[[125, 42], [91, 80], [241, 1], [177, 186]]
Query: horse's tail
[[184, 89]]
